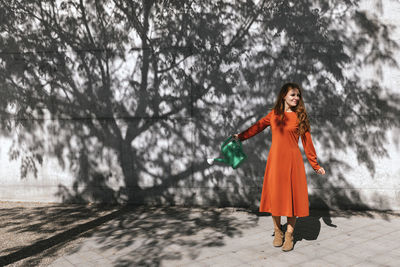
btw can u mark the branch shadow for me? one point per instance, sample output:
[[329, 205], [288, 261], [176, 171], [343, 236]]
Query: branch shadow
[[131, 108], [133, 234], [138, 235]]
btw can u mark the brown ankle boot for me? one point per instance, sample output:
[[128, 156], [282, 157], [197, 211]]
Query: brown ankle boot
[[278, 238], [288, 244]]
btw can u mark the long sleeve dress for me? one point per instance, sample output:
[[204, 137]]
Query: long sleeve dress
[[284, 191]]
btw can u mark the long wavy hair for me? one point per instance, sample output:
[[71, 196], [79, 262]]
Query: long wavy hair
[[300, 109]]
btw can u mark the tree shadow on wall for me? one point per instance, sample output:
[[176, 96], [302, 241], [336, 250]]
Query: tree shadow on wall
[[131, 97]]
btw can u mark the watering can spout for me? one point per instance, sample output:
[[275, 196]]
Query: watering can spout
[[233, 153], [211, 161]]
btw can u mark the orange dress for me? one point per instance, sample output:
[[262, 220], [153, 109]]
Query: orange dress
[[284, 191]]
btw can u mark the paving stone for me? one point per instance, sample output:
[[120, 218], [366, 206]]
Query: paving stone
[[62, 263], [75, 259], [204, 253], [372, 262], [229, 259], [365, 233], [312, 252], [90, 255], [177, 262], [249, 254], [395, 234], [365, 264], [316, 263], [101, 263], [395, 251], [362, 252], [341, 259], [195, 264], [332, 245], [384, 259], [268, 262], [327, 234], [293, 256]]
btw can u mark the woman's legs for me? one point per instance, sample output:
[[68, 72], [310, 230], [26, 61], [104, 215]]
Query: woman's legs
[[278, 234], [288, 244], [291, 221], [277, 222]]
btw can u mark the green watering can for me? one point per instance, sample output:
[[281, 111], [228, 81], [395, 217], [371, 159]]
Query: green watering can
[[232, 151]]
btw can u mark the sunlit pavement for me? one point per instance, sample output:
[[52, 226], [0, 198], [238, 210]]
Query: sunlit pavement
[[234, 237]]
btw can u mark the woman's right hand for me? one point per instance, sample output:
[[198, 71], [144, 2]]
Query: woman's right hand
[[321, 171]]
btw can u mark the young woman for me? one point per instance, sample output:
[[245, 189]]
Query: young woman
[[284, 191]]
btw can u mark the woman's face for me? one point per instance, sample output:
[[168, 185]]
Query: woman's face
[[292, 97]]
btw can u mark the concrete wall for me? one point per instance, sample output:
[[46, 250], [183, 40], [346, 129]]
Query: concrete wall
[[69, 152]]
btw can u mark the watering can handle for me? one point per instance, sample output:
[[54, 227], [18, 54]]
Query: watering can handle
[[229, 139]]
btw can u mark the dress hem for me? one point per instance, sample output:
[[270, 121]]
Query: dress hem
[[300, 215]]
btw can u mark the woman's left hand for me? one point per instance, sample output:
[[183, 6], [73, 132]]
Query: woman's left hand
[[321, 171]]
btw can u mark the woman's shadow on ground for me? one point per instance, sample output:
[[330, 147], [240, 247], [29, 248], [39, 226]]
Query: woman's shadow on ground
[[309, 227]]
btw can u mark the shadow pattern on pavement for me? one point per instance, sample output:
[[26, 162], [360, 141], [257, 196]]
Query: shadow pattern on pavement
[[138, 235]]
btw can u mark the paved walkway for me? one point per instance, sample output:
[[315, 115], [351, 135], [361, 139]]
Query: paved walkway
[[232, 237]]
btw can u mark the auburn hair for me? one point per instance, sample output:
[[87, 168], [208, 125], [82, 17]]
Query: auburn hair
[[300, 109]]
